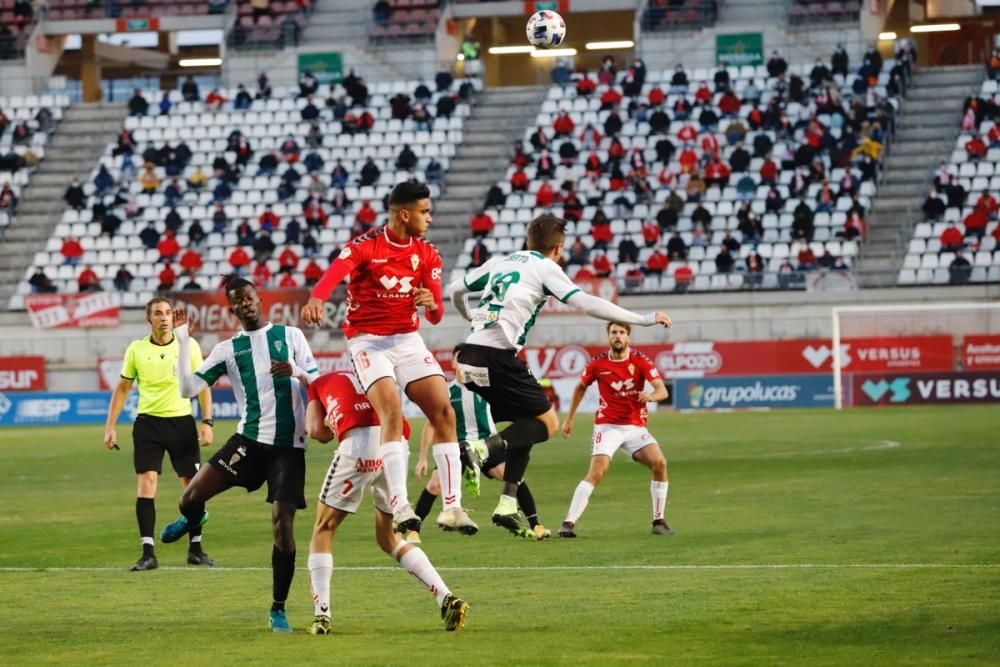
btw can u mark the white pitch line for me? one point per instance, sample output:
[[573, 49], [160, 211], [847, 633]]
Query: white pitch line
[[565, 568]]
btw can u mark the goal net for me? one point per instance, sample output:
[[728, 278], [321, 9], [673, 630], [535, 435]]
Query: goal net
[[880, 344]]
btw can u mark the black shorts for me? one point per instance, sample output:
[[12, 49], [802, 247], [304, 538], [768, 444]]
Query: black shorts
[[249, 464], [504, 381], [178, 436]]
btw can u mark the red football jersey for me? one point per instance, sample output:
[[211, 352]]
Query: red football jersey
[[345, 403], [383, 276], [618, 385]]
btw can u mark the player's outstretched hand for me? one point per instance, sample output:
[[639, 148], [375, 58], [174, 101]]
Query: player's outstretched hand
[[181, 318], [312, 312], [423, 297], [206, 435], [421, 468], [663, 319], [110, 438], [567, 428], [281, 369]]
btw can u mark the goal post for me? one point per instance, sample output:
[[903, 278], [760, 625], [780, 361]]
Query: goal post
[[890, 321]]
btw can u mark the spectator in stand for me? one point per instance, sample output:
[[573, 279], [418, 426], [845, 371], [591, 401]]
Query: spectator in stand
[[855, 227], [109, 223], [717, 173], [776, 65], [41, 283], [290, 149], [422, 118], [825, 200], [197, 180], [933, 206], [312, 273], [339, 175], [601, 232], [214, 100], [960, 270], [242, 101], [366, 215], [613, 124], [137, 105], [695, 188], [482, 224], [579, 253], [519, 181], [676, 248], [568, 153], [149, 180], [803, 222], [601, 264], [480, 255], [610, 99], [407, 159], [976, 148], [239, 260], [88, 281], [244, 233], [956, 195], [268, 219], [755, 269], [104, 181], [288, 261], [996, 235], [651, 233], [168, 278], [263, 246], [370, 173], [768, 171], [724, 261], [585, 86], [656, 96], [220, 221], [287, 280], [309, 84], [339, 202], [75, 196], [563, 125], [628, 251], [546, 167], [773, 202], [189, 90], [806, 259], [656, 263], [975, 223], [545, 196], [168, 247], [434, 172], [71, 251], [149, 236], [987, 203], [584, 273], [196, 234], [173, 193], [679, 81], [191, 262], [261, 275]]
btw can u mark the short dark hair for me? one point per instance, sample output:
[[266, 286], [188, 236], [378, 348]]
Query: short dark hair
[[408, 193], [155, 300], [234, 282], [545, 233], [624, 325]]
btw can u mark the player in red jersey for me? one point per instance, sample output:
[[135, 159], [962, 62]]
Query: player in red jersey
[[394, 272], [620, 423], [338, 406]]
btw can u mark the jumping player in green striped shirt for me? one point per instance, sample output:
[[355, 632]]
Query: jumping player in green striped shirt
[[269, 366]]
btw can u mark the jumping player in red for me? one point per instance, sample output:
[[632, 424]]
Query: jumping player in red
[[338, 406], [393, 272], [620, 423]]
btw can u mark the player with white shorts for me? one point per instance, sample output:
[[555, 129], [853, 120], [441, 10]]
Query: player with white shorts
[[338, 407], [620, 423]]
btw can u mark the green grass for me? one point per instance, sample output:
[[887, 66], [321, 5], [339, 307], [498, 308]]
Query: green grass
[[898, 546]]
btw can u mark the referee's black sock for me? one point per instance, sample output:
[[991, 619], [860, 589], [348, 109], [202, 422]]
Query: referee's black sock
[[425, 504], [282, 571], [145, 515]]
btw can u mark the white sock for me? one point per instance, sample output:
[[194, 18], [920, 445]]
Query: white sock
[[320, 573], [146, 540], [449, 465], [658, 491], [416, 562], [580, 499], [394, 458]]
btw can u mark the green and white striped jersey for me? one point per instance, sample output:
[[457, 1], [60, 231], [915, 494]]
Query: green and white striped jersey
[[515, 288], [273, 409], [472, 414]]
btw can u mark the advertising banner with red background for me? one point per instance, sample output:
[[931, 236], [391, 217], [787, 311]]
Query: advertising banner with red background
[[981, 353], [210, 310], [68, 311], [22, 373], [865, 389]]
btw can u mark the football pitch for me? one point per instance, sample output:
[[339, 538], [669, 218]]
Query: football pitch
[[866, 537]]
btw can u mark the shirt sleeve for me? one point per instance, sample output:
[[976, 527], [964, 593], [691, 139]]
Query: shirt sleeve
[[196, 359], [477, 279], [348, 260], [432, 281], [214, 366], [304, 358], [589, 374], [556, 282], [649, 370], [128, 364]]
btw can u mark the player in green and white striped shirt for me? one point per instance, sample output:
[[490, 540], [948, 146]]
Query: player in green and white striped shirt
[[268, 366], [482, 449]]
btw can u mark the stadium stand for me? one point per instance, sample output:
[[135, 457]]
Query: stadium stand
[[958, 241], [26, 123], [404, 19], [17, 20], [71, 10], [664, 15], [822, 11], [787, 192], [270, 23], [228, 184]]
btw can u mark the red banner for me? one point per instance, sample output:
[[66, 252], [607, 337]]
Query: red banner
[[67, 311], [210, 310], [922, 388], [22, 373], [981, 352]]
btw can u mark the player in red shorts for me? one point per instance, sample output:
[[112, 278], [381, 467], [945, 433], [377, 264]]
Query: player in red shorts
[[394, 272], [338, 406], [620, 423]]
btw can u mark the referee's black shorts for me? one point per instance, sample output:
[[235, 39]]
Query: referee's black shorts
[[504, 381], [177, 436]]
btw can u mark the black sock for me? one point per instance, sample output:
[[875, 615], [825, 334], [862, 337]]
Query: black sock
[[526, 501], [520, 437], [145, 515], [194, 547], [282, 570], [425, 504]]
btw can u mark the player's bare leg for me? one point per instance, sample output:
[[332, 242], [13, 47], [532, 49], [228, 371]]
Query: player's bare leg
[[328, 520], [431, 396], [652, 457], [195, 556], [599, 466], [383, 394], [415, 561]]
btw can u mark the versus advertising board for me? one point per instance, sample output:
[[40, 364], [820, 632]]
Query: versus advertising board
[[923, 388], [768, 391], [22, 373]]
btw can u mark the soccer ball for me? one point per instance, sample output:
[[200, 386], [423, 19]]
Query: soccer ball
[[546, 29]]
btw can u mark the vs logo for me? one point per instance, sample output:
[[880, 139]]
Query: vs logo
[[402, 285], [623, 385], [899, 388]]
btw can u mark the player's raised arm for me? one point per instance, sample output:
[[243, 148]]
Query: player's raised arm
[[340, 268], [193, 383], [603, 309], [473, 281], [429, 296]]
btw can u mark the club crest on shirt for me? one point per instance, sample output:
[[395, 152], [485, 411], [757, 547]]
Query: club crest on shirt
[[631, 369], [278, 345], [414, 261]]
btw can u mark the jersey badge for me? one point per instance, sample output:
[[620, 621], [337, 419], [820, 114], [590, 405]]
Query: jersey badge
[[631, 369], [345, 253], [278, 345], [414, 261]]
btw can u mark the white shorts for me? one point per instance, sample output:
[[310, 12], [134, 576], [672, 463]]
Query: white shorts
[[404, 357], [608, 438], [356, 466]]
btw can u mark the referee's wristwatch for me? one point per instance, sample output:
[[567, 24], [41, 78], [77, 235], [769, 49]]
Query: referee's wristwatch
[[208, 422]]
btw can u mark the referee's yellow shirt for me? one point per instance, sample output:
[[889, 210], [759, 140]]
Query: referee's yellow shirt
[[154, 369]]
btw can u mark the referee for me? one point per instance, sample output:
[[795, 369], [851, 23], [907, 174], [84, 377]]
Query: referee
[[163, 424]]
